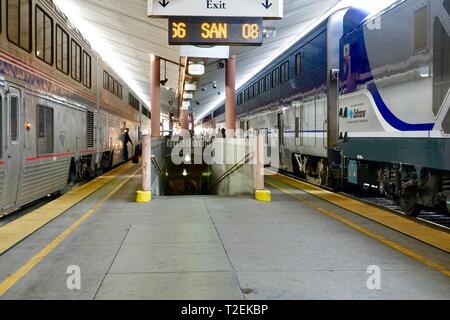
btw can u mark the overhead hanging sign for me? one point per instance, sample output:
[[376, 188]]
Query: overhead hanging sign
[[266, 9], [215, 31]]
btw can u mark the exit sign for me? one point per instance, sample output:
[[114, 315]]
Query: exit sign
[[266, 9], [215, 31]]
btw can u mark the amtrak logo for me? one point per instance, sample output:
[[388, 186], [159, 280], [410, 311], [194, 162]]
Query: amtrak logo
[[356, 114]]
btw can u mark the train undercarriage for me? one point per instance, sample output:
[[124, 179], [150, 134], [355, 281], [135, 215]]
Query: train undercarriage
[[412, 188]]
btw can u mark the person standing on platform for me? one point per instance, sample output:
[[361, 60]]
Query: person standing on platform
[[126, 140]]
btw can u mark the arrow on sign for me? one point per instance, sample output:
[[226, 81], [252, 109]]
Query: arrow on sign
[[267, 5], [164, 3]]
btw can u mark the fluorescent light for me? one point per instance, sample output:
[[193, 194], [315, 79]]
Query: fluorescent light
[[190, 87], [188, 96], [196, 69], [186, 104]]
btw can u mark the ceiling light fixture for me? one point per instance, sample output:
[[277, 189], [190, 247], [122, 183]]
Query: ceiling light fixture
[[196, 69]]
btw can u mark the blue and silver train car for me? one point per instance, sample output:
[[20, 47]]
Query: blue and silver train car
[[394, 103], [63, 110], [363, 100]]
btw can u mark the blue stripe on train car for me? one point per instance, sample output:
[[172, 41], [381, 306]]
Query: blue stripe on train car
[[356, 71]]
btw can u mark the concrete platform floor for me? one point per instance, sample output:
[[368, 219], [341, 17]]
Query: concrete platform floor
[[215, 248]]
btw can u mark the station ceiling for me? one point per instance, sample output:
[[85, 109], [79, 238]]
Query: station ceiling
[[125, 37]]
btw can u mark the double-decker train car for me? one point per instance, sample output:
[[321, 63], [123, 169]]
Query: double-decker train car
[[363, 100], [63, 110]]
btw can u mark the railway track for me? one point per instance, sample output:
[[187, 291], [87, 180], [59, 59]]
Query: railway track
[[435, 218]]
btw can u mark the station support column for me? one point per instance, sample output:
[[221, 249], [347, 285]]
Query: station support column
[[261, 194], [230, 91], [145, 195], [155, 69], [184, 118]]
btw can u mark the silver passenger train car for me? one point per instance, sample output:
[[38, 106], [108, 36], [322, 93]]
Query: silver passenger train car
[[363, 101], [63, 110]]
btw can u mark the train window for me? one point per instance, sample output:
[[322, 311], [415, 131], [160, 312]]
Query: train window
[[268, 81], [14, 119], [87, 67], [297, 127], [275, 77], [421, 29], [116, 88], [111, 84], [262, 85], [19, 23], [298, 64], [246, 95], [251, 92], [105, 80], [44, 36], [45, 130], [256, 88], [132, 101], [285, 72], [62, 50], [119, 92], [89, 129], [240, 98], [146, 113], [76, 61], [441, 62]]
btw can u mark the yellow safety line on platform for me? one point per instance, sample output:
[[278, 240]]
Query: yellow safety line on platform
[[19, 229], [22, 271], [367, 232], [429, 235]]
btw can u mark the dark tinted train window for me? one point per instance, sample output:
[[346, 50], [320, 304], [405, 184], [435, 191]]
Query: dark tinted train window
[[421, 29], [44, 36], [89, 129], [285, 72], [45, 129], [297, 127], [275, 77], [268, 82], [441, 62], [19, 23], [146, 113], [262, 85], [14, 119], [246, 95], [87, 67], [132, 101], [256, 89], [447, 6], [251, 93], [298, 64], [76, 61], [105, 80], [120, 91], [111, 84], [62, 50]]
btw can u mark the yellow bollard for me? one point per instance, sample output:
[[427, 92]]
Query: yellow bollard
[[143, 196]]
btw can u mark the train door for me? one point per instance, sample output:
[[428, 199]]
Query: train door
[[13, 148], [280, 124]]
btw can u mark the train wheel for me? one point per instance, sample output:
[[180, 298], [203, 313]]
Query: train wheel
[[409, 205]]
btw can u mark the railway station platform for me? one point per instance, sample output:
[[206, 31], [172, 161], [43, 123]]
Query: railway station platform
[[96, 242]]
